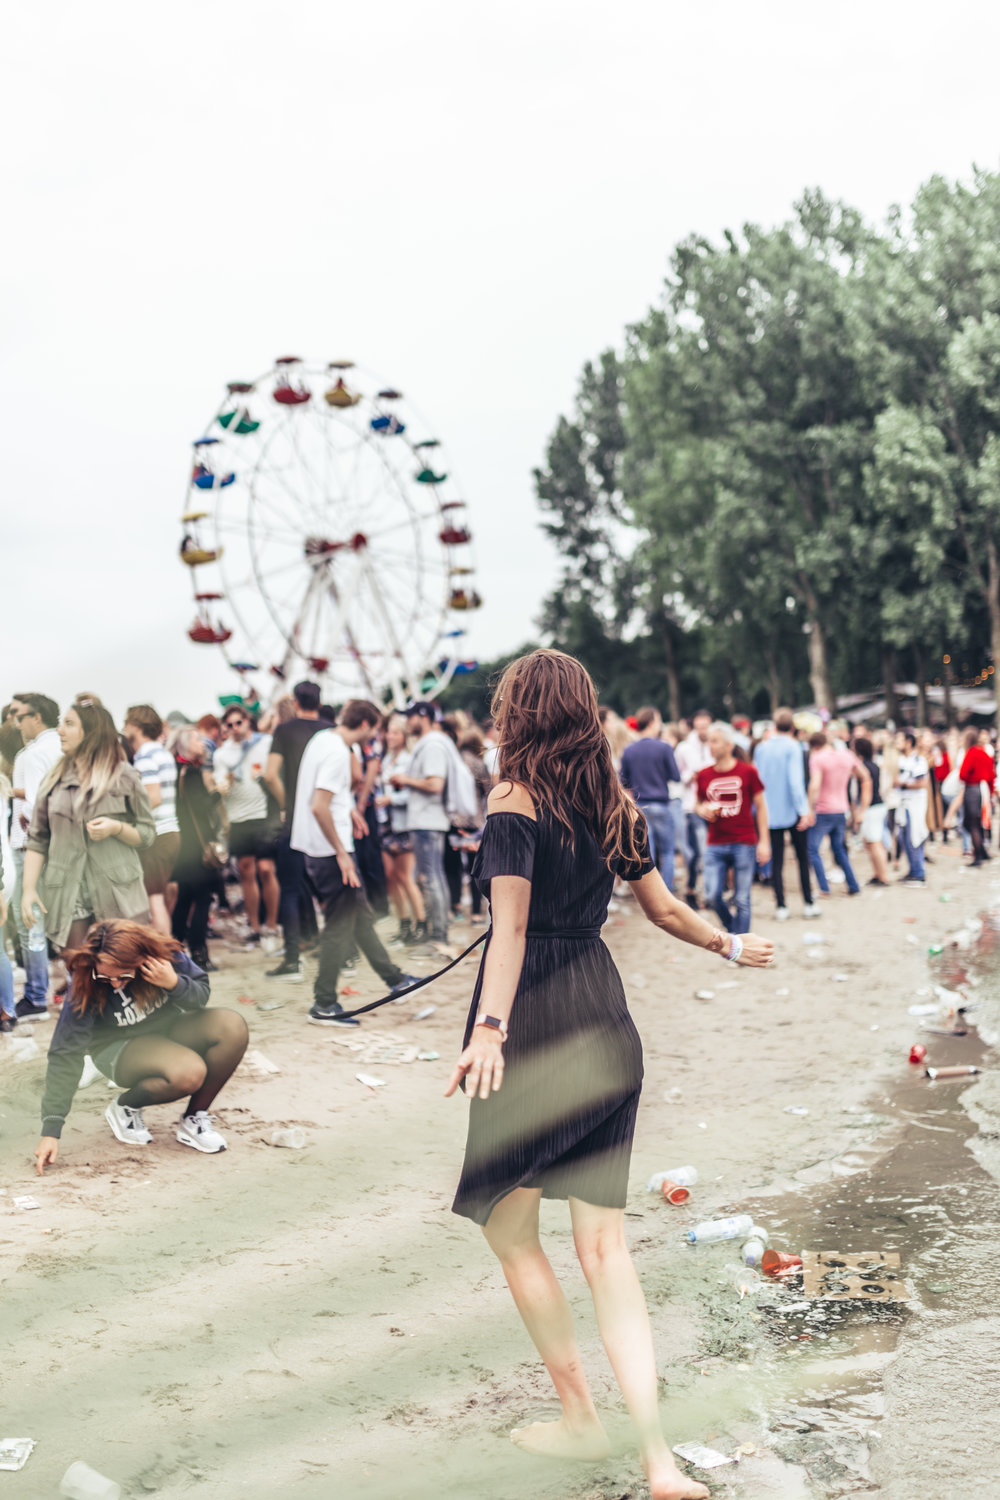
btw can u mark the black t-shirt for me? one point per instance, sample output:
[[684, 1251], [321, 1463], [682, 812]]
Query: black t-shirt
[[289, 741]]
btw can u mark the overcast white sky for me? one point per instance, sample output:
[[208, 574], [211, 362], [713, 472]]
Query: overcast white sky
[[469, 200]]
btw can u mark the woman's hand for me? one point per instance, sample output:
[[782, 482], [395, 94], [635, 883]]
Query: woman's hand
[[481, 1064], [348, 870], [29, 900], [45, 1153], [757, 952], [103, 828], [160, 972]]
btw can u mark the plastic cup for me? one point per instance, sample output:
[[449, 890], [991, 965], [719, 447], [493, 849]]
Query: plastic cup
[[918, 1052], [674, 1192], [294, 1137], [81, 1482], [777, 1263]]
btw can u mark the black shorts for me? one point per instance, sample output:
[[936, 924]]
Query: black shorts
[[255, 838]]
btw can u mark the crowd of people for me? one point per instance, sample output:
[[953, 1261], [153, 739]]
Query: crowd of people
[[294, 831]]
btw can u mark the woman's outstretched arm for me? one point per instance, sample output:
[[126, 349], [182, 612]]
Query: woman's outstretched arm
[[677, 918]]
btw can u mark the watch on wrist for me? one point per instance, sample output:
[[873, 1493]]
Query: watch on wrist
[[493, 1023]]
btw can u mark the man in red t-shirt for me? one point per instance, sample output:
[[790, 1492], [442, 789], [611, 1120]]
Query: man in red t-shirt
[[730, 793]]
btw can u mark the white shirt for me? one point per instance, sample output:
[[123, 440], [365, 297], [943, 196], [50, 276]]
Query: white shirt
[[157, 767], [325, 767], [426, 810], [31, 766], [911, 768], [246, 800], [693, 755]]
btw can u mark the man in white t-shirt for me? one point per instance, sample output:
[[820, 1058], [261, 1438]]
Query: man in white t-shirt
[[238, 768], [158, 769], [324, 824], [911, 819], [36, 716]]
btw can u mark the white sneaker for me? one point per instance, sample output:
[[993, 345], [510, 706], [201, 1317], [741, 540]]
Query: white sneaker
[[270, 940], [781, 915], [198, 1131], [811, 911], [127, 1124], [90, 1073]]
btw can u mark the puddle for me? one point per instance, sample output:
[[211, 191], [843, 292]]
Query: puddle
[[816, 1385]]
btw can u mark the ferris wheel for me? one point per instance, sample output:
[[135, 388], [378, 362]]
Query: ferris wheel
[[325, 535]]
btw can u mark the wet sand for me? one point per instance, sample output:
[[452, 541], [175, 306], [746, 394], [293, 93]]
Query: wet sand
[[317, 1322]]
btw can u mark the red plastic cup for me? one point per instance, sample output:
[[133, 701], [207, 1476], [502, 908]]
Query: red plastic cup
[[918, 1052], [674, 1193], [777, 1263]]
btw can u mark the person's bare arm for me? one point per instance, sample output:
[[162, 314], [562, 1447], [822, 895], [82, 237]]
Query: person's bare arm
[[154, 792], [865, 783], [429, 784], [372, 770], [676, 918], [321, 812], [815, 782], [482, 1061], [273, 778], [763, 829]]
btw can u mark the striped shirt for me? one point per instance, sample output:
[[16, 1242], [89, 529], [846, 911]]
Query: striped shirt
[[157, 765]]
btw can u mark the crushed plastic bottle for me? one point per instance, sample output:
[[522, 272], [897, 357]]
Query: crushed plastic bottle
[[37, 941], [81, 1482], [294, 1137], [682, 1176], [813, 939], [736, 1226]]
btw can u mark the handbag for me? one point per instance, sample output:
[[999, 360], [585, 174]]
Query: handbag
[[214, 852]]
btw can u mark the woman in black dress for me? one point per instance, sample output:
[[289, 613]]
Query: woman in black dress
[[550, 1023]]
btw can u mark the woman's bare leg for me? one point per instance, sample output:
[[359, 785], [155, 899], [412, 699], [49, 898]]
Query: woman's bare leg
[[404, 869], [512, 1233], [599, 1234], [880, 861]]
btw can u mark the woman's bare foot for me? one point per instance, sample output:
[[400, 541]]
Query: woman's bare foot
[[559, 1440], [666, 1482]]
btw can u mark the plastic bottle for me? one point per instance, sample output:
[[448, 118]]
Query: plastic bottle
[[294, 1137], [81, 1482], [24, 1048], [737, 1226], [752, 1251], [683, 1176], [37, 942]]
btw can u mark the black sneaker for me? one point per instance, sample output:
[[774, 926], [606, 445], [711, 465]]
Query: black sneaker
[[7, 1023], [331, 1015], [402, 936], [251, 937], [204, 962], [28, 1012], [419, 936], [402, 983], [293, 973]]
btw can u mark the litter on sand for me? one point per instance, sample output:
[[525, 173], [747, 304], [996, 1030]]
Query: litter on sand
[[370, 1081], [422, 1015], [15, 1452], [428, 1056], [26, 1201], [700, 1456], [704, 994], [259, 1065], [796, 1109], [272, 1004], [870, 1277], [388, 1050]]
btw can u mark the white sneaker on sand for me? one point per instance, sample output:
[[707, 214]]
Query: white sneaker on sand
[[811, 911], [270, 940], [198, 1131], [781, 915], [127, 1124]]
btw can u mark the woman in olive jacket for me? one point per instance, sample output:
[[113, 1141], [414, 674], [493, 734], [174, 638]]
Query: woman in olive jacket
[[91, 817]]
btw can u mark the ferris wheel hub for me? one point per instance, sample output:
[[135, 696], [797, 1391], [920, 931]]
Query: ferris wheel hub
[[321, 546]]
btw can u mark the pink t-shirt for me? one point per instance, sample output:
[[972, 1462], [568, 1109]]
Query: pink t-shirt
[[836, 767]]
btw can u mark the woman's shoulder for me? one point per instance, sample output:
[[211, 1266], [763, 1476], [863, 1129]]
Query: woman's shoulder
[[511, 797]]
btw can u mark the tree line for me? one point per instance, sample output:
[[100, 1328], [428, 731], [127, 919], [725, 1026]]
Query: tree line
[[784, 484]]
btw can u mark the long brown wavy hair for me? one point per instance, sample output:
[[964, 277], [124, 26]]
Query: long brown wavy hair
[[551, 741], [99, 755], [128, 945]]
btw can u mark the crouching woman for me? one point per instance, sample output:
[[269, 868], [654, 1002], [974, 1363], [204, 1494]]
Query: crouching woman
[[137, 1005]]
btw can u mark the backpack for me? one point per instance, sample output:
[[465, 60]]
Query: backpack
[[461, 796]]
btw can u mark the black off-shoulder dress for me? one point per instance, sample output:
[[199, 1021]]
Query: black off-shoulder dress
[[564, 1118]]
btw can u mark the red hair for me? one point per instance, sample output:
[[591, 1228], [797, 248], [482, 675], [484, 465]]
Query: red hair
[[128, 945]]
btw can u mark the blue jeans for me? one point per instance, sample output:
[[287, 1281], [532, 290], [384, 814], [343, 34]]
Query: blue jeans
[[742, 860], [6, 983], [914, 852], [428, 848], [834, 824], [660, 826], [36, 965], [697, 840]]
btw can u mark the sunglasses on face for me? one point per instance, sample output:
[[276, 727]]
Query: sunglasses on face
[[231, 723], [116, 982]]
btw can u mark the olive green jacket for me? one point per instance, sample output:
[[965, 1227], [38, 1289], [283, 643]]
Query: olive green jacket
[[112, 869]]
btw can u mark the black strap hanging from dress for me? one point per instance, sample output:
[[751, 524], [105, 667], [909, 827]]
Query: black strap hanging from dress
[[419, 983]]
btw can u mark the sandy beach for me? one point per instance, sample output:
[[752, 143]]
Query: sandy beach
[[317, 1323]]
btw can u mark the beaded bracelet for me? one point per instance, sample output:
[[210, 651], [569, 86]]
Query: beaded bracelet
[[736, 948]]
